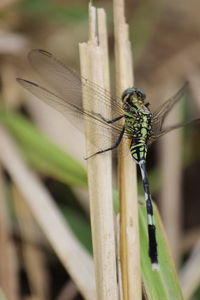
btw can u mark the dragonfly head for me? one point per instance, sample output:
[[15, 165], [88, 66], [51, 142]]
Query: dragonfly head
[[132, 95]]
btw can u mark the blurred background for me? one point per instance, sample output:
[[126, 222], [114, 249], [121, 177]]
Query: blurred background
[[165, 38]]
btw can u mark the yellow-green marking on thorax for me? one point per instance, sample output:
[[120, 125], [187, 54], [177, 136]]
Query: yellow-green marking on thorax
[[137, 122]]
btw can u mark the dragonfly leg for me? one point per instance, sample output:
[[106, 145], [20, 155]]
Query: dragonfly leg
[[115, 145], [110, 121]]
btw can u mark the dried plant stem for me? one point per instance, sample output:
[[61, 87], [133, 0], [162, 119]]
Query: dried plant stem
[[171, 192], [129, 231], [194, 86], [73, 256], [34, 258], [94, 66], [190, 274], [8, 258], [68, 291]]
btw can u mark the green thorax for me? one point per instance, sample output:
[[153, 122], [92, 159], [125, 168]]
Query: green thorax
[[138, 127], [137, 121]]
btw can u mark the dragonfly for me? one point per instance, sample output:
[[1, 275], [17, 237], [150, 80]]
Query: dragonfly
[[141, 126]]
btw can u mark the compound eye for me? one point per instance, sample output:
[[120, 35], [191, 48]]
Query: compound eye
[[138, 95], [141, 95]]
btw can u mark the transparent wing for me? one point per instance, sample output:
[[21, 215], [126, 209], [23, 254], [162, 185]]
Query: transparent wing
[[161, 113], [76, 114], [166, 107], [179, 125], [68, 84], [63, 91], [170, 128]]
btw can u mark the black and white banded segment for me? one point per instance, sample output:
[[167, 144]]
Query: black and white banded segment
[[153, 252]]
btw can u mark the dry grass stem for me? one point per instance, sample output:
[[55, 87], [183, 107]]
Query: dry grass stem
[[68, 292], [190, 274], [194, 87], [8, 259], [171, 188], [12, 43], [129, 231], [34, 258], [94, 66], [72, 255]]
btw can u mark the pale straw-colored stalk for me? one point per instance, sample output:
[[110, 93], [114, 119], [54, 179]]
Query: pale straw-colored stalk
[[194, 86], [8, 256], [171, 185], [129, 231], [68, 291], [94, 67], [190, 273], [33, 257], [73, 256]]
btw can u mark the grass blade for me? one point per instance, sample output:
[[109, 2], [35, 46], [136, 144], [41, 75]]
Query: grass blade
[[43, 154]]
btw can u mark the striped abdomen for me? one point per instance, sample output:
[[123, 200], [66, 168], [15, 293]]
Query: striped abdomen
[[138, 150]]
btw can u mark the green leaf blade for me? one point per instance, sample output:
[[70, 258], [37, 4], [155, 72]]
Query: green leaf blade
[[46, 157]]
